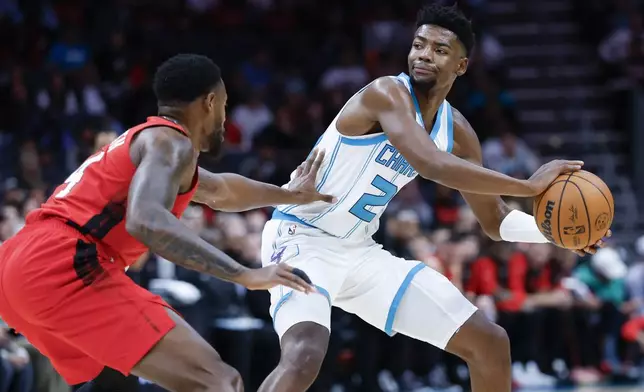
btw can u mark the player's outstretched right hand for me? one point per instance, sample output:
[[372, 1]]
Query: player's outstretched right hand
[[546, 174], [275, 275]]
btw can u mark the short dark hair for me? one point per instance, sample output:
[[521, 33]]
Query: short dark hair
[[185, 77], [450, 18]]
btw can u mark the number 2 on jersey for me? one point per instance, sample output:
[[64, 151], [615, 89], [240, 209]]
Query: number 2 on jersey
[[360, 208]]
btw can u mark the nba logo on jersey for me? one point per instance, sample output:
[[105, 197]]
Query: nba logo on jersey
[[276, 257], [291, 229]]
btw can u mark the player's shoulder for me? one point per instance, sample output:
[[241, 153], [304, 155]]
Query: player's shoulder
[[161, 142], [461, 125], [386, 93], [466, 140]]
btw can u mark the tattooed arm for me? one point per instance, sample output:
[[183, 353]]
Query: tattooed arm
[[232, 192], [163, 158]]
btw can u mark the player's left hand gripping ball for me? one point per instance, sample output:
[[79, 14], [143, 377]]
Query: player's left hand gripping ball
[[304, 182], [593, 248]]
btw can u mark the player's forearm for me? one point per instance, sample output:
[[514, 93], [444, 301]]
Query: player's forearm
[[234, 193], [166, 236], [456, 173]]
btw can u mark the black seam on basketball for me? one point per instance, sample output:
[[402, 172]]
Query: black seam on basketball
[[563, 189], [583, 199], [553, 184], [612, 210]]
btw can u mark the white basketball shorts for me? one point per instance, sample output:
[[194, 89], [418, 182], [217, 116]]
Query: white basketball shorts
[[390, 293]]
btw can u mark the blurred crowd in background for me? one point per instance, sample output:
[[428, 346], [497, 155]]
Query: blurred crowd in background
[[75, 74]]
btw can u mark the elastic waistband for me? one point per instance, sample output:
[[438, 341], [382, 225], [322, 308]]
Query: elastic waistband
[[279, 215], [319, 234]]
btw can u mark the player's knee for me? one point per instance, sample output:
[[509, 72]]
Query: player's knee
[[497, 343], [481, 342], [492, 347], [304, 358], [209, 378], [230, 381]]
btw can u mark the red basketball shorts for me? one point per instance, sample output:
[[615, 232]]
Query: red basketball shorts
[[74, 304]]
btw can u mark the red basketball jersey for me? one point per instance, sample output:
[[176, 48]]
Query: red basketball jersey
[[93, 199]]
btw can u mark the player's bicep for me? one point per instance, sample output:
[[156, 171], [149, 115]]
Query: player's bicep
[[389, 104], [163, 160]]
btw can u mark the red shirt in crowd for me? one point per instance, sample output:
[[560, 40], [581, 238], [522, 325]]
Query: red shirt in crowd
[[487, 277]]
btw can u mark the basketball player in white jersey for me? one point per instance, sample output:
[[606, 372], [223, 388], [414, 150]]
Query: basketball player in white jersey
[[388, 133]]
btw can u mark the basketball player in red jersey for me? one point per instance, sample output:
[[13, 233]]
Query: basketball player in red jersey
[[62, 278]]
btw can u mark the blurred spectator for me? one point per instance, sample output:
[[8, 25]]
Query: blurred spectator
[[349, 74], [602, 292], [489, 53], [510, 155], [251, 117], [257, 72], [16, 371], [622, 52], [69, 53], [518, 287], [103, 138], [385, 33]]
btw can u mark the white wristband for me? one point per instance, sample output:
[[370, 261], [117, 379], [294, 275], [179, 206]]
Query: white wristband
[[518, 226]]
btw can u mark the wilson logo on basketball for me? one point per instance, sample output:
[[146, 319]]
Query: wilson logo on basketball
[[546, 225]]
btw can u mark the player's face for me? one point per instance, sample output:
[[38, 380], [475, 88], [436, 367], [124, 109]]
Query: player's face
[[436, 57], [214, 125]]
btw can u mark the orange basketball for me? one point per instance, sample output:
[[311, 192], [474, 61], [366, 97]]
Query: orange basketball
[[575, 211]]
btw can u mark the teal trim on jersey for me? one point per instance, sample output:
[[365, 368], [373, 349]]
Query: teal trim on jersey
[[326, 172], [324, 292], [419, 114], [281, 302], [279, 215], [331, 162], [318, 141], [364, 167], [437, 124], [315, 145], [391, 316], [287, 296], [450, 128], [364, 141]]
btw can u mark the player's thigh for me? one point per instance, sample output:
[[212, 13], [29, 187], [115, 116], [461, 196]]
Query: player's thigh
[[89, 305], [322, 261], [432, 309], [404, 296], [35, 288], [183, 361], [289, 307]]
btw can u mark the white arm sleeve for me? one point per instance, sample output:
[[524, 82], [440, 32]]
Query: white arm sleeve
[[518, 226]]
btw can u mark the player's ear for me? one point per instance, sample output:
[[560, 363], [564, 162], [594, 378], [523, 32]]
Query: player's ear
[[210, 101], [462, 66]]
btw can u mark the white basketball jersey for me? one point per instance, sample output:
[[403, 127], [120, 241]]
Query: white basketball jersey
[[364, 173]]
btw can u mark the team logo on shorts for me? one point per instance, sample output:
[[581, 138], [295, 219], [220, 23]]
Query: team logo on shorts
[[277, 255], [291, 229]]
